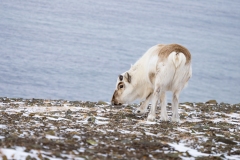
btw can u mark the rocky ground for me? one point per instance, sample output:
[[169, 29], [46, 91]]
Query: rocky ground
[[60, 129]]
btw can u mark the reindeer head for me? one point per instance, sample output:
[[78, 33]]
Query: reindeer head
[[123, 89]]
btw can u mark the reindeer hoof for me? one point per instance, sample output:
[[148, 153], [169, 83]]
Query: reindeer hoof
[[151, 118], [164, 118], [175, 119]]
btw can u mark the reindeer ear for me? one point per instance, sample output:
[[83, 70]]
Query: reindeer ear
[[120, 77], [128, 77]]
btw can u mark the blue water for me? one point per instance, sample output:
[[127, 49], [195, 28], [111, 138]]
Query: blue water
[[75, 49]]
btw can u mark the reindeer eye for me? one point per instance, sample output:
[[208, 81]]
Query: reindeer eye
[[121, 86]]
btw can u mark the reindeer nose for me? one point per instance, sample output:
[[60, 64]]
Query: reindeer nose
[[112, 102], [113, 98], [115, 103]]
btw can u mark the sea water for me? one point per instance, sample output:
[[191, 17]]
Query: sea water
[[76, 49]]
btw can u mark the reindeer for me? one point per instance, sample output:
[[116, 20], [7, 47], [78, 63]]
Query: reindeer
[[162, 68]]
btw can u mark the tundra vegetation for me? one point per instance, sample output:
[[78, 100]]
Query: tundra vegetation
[[61, 129]]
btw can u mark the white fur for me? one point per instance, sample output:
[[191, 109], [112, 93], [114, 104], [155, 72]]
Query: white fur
[[171, 74]]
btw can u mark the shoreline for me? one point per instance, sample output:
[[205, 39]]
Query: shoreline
[[58, 129], [45, 100]]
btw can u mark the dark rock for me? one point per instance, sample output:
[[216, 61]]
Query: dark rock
[[224, 140], [211, 102]]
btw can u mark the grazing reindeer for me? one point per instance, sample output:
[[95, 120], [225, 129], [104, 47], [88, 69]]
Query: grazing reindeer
[[162, 68]]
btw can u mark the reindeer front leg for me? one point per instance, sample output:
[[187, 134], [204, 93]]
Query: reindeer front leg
[[152, 113], [143, 107]]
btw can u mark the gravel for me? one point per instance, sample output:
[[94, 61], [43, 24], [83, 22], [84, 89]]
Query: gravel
[[61, 129]]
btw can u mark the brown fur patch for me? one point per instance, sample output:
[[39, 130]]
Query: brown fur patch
[[151, 76], [117, 93], [114, 95], [166, 50], [149, 95]]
